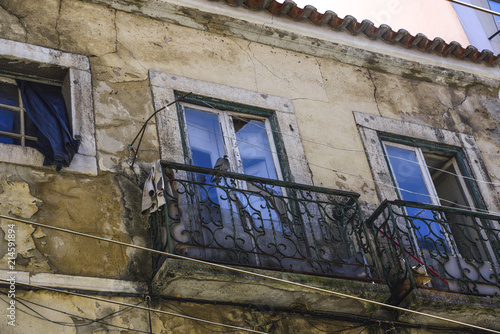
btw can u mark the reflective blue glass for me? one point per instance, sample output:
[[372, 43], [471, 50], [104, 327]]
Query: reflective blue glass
[[207, 145], [9, 119], [205, 137], [412, 187], [257, 160], [255, 150]]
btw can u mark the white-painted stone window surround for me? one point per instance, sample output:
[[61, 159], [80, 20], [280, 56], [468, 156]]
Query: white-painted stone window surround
[[165, 88], [73, 71], [376, 133], [424, 164], [82, 283]]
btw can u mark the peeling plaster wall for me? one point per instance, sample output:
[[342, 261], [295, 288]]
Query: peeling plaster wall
[[123, 47], [124, 44], [88, 205], [78, 315]]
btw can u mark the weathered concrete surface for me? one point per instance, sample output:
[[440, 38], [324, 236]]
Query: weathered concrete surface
[[326, 80], [123, 46], [73, 314], [17, 201], [90, 205], [86, 316], [475, 310], [184, 280]]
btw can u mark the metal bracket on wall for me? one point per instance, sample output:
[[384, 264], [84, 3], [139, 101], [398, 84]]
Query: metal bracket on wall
[[143, 129]]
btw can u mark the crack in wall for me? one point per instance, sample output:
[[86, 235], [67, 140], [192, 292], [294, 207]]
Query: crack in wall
[[252, 56], [308, 99], [253, 62], [322, 80], [57, 24], [374, 91], [116, 32], [463, 100], [131, 54]]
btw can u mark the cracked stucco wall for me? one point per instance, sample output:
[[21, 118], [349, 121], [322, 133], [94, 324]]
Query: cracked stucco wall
[[94, 206], [123, 45], [16, 200], [78, 314]]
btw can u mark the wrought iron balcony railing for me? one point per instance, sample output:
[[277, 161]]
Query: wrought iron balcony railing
[[250, 221], [436, 247]]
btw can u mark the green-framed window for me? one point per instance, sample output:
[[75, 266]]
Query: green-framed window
[[213, 128], [438, 175]]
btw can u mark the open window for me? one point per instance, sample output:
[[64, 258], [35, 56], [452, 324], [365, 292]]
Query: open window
[[34, 114], [32, 76], [445, 237], [247, 141], [267, 215], [245, 138], [433, 176]]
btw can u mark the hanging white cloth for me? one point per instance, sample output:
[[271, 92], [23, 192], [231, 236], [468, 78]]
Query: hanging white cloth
[[152, 195]]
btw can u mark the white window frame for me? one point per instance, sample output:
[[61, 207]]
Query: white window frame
[[421, 165], [468, 196], [229, 136], [431, 188], [77, 89]]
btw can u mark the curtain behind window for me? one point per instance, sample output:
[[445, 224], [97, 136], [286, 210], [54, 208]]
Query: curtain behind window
[[45, 106]]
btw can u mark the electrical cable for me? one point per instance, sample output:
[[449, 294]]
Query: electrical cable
[[70, 324], [335, 316], [149, 315], [481, 9], [360, 331], [340, 330], [179, 310], [354, 175], [133, 306], [143, 130], [241, 271]]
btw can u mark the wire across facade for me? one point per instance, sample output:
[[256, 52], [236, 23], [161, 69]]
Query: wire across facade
[[242, 220]]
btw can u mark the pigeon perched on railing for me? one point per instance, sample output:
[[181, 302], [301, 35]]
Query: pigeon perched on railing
[[222, 164]]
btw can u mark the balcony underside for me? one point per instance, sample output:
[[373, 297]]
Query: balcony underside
[[179, 279]]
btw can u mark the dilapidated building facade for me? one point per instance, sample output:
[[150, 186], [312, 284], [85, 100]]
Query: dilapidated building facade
[[354, 159]]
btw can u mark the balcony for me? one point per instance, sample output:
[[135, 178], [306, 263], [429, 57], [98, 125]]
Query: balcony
[[436, 248], [249, 221]]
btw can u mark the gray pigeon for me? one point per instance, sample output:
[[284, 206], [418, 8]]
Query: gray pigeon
[[221, 164]]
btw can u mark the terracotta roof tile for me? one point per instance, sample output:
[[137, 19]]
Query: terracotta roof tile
[[383, 32]]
